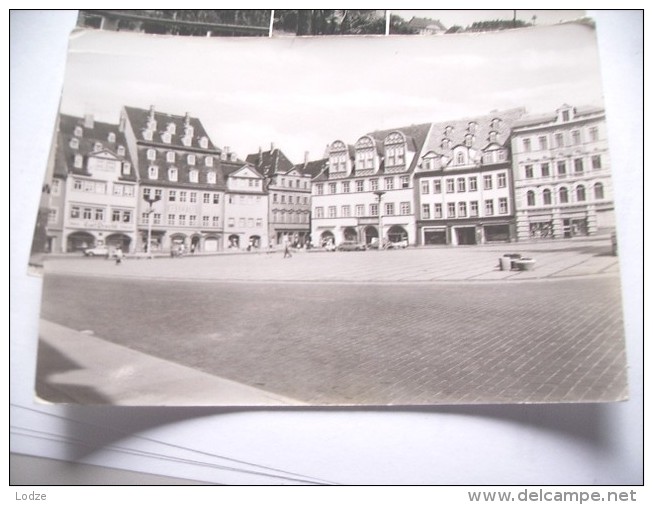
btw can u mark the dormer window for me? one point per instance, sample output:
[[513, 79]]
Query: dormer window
[[191, 159], [171, 128], [495, 124], [79, 160], [338, 157], [126, 168], [472, 127], [364, 154], [147, 134], [121, 150], [78, 131], [193, 176], [186, 141], [492, 138], [208, 161], [170, 156], [188, 131], [172, 174], [204, 143], [445, 144], [153, 172], [566, 113], [395, 149], [151, 124], [166, 138], [460, 158], [469, 140], [210, 177], [97, 146], [74, 143], [448, 130], [112, 137], [151, 154]]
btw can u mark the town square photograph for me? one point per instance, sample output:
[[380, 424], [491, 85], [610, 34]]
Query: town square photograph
[[331, 221]]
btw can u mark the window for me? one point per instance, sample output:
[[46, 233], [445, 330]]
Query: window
[[193, 176], [126, 168], [389, 183], [332, 211], [172, 195], [115, 216], [451, 209], [501, 180], [575, 137], [404, 180], [74, 212], [545, 170], [437, 210], [250, 222], [170, 156], [594, 134], [565, 115], [332, 188], [216, 198], [99, 214], [528, 169], [461, 184], [157, 218], [182, 219], [425, 187], [580, 193], [472, 182], [450, 186], [492, 138], [74, 143], [404, 208], [231, 222], [360, 210], [146, 193], [147, 134], [78, 131], [172, 174], [151, 154], [596, 162], [171, 219], [543, 143], [374, 209], [206, 198], [530, 198], [487, 182], [527, 145], [598, 191], [79, 159], [345, 187], [460, 158], [77, 185], [345, 211], [87, 214], [275, 198], [208, 161], [562, 168], [191, 159], [158, 193], [437, 186], [153, 172], [462, 209], [259, 222], [126, 216], [193, 197], [319, 212], [283, 198], [205, 221], [546, 197], [56, 187], [503, 205], [389, 208], [489, 207], [216, 221], [182, 196], [473, 208], [374, 184], [564, 195], [210, 177], [360, 186], [578, 165], [426, 211], [241, 222], [204, 142], [560, 140], [166, 137], [192, 220]]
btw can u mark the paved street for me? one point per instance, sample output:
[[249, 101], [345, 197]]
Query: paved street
[[390, 341]]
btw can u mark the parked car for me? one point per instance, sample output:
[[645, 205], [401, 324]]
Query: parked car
[[351, 245], [401, 244], [100, 250]]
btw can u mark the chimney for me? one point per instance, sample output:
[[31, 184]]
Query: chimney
[[305, 157], [187, 119], [88, 121], [271, 146], [123, 123], [151, 116], [232, 156]]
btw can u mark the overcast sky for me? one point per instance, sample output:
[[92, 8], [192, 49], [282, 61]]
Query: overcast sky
[[302, 93]]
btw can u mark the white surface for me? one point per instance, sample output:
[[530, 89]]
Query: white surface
[[543, 444]]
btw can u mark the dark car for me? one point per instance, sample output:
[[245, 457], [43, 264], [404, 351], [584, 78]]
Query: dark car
[[351, 245]]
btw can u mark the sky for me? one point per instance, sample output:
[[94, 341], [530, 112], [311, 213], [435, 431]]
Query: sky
[[303, 93]]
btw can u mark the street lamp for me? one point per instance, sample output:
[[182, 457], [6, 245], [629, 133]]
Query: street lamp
[[151, 202], [379, 194]]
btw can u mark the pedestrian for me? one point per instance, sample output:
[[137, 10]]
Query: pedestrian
[[286, 251], [118, 255]]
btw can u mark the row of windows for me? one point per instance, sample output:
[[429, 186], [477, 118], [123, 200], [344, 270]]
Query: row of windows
[[186, 140], [291, 183], [99, 187], [463, 209], [462, 184], [245, 222], [244, 183], [79, 132], [181, 220], [561, 139], [290, 217], [296, 200], [98, 214], [181, 196], [389, 209], [171, 157], [359, 186], [173, 175], [103, 164], [564, 195], [97, 146], [578, 166]]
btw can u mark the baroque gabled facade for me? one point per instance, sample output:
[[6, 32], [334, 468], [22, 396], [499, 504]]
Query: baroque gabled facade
[[563, 185]]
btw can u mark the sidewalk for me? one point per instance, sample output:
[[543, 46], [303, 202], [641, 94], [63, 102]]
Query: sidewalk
[[77, 367]]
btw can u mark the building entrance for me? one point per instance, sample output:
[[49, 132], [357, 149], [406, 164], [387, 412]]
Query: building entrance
[[466, 235]]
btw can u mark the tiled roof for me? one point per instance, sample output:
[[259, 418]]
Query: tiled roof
[[270, 162], [313, 168], [93, 132], [138, 118], [229, 167], [416, 136], [550, 117]]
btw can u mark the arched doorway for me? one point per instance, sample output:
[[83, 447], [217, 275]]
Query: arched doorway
[[211, 244], [79, 240], [234, 241], [350, 233], [327, 237], [116, 240], [195, 243], [177, 243], [371, 235], [397, 234], [254, 242]]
